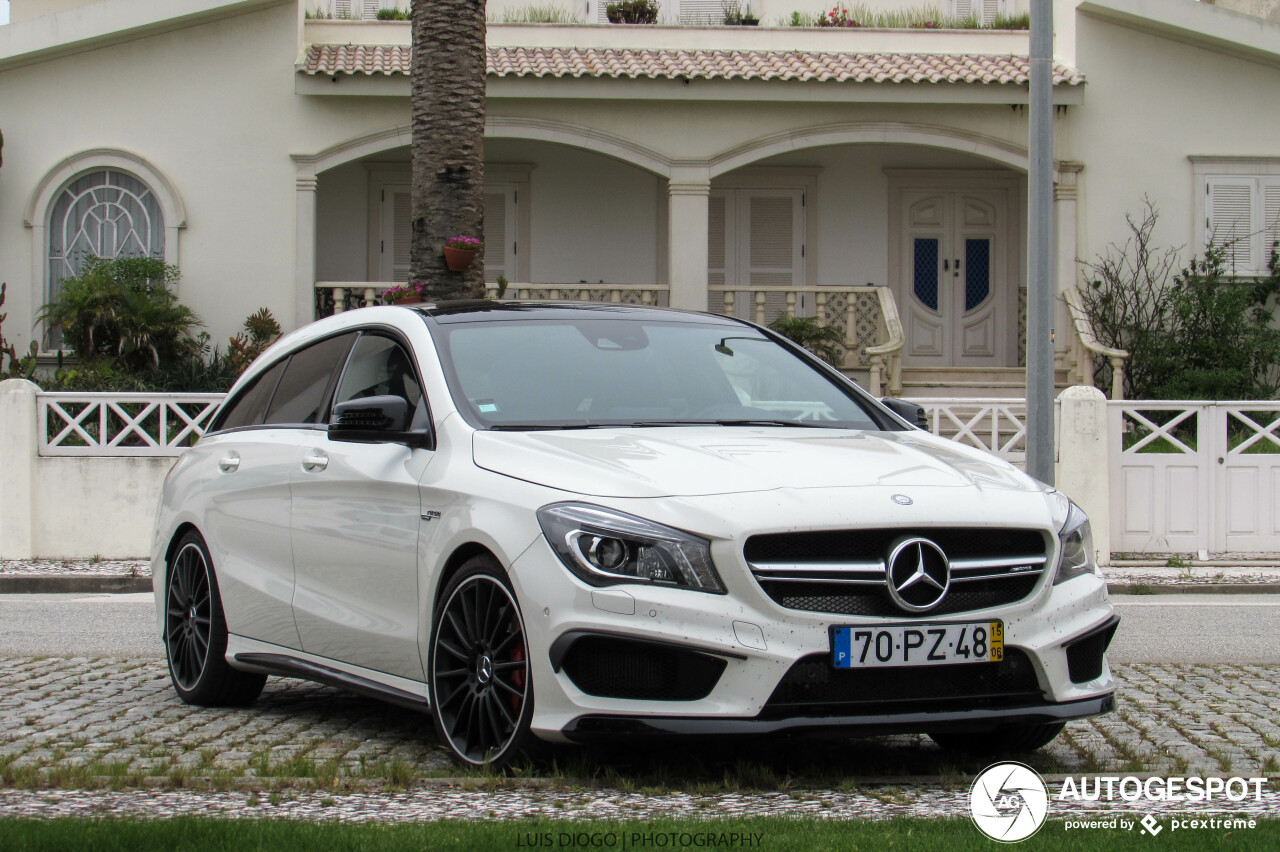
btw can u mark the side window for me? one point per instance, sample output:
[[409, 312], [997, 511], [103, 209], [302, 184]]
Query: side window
[[307, 381], [249, 408], [379, 366]]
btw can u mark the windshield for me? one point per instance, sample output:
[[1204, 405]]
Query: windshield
[[593, 372]]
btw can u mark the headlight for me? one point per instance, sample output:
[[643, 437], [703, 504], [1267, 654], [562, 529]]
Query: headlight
[[604, 548], [1077, 547]]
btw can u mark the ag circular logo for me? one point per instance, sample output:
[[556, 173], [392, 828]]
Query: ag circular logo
[[1008, 802]]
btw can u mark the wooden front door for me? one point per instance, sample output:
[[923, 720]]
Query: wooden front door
[[953, 289]]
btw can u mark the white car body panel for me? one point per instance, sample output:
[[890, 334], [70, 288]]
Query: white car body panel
[[354, 553]]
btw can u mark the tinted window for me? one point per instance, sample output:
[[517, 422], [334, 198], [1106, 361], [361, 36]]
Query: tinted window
[[250, 406], [304, 388], [379, 367]]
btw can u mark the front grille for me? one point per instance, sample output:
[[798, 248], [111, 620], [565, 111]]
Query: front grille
[[843, 571], [1085, 655], [814, 687], [613, 667]]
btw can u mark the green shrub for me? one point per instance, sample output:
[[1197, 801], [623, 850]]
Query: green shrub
[[392, 15], [1192, 334], [633, 12], [822, 340], [124, 309]]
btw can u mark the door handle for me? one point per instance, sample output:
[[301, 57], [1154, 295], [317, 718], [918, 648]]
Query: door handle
[[315, 461], [229, 463]]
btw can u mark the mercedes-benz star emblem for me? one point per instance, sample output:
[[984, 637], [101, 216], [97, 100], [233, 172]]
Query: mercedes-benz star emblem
[[919, 574], [901, 499]]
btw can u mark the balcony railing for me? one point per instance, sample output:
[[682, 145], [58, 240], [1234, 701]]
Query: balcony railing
[[334, 297], [1085, 346], [866, 317]]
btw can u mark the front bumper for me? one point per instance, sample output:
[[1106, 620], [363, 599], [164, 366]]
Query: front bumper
[[758, 642]]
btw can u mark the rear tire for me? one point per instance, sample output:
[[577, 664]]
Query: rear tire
[[479, 678], [1003, 739], [195, 633]]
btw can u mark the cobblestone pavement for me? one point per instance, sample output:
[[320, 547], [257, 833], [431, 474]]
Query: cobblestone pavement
[[83, 722], [598, 804], [76, 567]]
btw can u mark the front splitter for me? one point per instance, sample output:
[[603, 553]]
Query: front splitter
[[596, 726]]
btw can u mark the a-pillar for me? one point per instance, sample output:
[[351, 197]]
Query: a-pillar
[[687, 241], [305, 259], [1065, 192]]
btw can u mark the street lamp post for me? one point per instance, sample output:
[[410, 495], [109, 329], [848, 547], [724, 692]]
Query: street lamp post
[[1040, 289]]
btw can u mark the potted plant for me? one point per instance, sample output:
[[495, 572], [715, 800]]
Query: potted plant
[[405, 294], [459, 252], [632, 12], [735, 16]]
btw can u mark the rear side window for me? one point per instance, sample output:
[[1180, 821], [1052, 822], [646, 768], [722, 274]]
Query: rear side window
[[250, 407], [307, 382]]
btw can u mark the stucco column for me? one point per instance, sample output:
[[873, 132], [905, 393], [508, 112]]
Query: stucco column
[[1065, 193], [1083, 469], [305, 262], [689, 189], [18, 469]]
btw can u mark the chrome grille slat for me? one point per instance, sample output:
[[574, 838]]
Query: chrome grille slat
[[837, 571]]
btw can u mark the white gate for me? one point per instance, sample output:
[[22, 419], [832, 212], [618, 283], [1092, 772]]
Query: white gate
[[1195, 477]]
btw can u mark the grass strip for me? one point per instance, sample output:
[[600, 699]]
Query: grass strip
[[780, 834]]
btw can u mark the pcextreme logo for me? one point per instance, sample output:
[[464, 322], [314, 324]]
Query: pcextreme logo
[[1009, 802]]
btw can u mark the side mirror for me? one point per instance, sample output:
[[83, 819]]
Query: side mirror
[[374, 419], [908, 411]]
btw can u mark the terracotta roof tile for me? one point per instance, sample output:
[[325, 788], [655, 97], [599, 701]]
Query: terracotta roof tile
[[555, 62]]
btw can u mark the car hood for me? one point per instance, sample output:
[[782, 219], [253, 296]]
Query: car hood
[[696, 460]]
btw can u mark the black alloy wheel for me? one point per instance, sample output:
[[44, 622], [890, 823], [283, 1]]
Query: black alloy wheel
[[481, 694], [188, 616], [195, 633]]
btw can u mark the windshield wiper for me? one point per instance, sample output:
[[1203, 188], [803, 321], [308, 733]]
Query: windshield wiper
[[543, 427], [800, 424]]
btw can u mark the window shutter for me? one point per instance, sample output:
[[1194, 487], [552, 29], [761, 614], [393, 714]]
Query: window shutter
[[701, 12], [498, 243], [342, 8], [370, 10], [1229, 213], [991, 10], [774, 235], [1270, 219], [597, 11], [962, 8], [402, 232], [717, 261]]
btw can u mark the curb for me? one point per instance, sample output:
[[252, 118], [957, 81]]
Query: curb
[[1193, 588], [53, 584]]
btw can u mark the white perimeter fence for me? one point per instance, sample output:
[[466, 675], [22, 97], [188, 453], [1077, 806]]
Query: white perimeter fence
[[82, 472]]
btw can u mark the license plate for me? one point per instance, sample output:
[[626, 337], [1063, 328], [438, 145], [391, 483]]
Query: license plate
[[869, 646]]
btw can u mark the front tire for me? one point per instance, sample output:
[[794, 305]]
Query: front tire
[[1003, 739], [480, 682], [195, 633]]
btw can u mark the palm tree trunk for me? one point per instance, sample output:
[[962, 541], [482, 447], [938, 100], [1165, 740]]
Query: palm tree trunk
[[447, 93]]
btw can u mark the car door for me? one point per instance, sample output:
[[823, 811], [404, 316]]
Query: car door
[[259, 444], [355, 521]]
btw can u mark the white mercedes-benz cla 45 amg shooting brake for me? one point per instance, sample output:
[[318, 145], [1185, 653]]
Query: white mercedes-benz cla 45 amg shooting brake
[[563, 522]]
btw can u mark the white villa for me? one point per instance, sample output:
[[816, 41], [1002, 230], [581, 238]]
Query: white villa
[[263, 146]]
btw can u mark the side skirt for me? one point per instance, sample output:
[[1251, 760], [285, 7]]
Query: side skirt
[[251, 655]]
